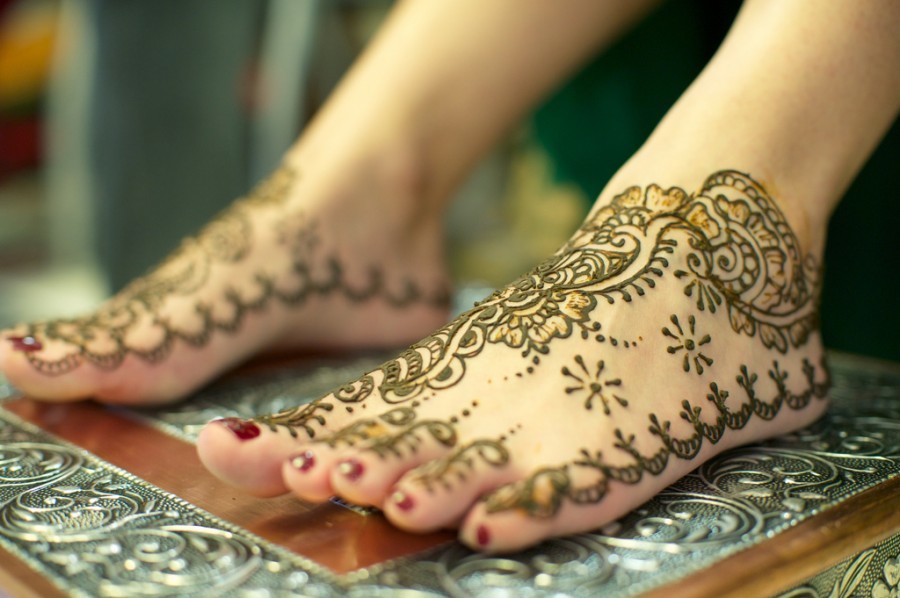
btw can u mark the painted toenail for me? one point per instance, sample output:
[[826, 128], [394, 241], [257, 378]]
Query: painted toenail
[[26, 344], [242, 428], [403, 501], [351, 469], [304, 461], [483, 536]]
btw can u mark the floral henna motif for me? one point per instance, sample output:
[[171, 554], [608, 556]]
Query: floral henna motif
[[748, 257], [103, 338], [595, 385], [741, 254], [543, 493], [687, 342]]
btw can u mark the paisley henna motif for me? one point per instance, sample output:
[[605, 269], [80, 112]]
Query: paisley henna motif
[[742, 255]]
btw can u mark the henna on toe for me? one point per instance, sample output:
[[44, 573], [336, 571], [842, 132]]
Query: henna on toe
[[670, 327]]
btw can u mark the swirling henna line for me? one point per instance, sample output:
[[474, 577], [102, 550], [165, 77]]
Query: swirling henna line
[[617, 255], [540, 496], [408, 440], [774, 293], [457, 466], [366, 430], [543, 493], [297, 418]]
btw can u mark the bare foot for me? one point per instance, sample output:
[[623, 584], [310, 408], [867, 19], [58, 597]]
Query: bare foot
[[302, 262], [669, 328]]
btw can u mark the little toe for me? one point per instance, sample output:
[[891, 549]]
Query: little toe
[[521, 514], [439, 493], [245, 455], [508, 531]]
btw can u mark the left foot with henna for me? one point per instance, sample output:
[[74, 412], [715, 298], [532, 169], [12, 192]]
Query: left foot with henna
[[672, 326]]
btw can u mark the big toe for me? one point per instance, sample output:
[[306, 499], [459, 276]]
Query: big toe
[[245, 455]]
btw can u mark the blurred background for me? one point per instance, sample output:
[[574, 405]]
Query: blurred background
[[125, 125]]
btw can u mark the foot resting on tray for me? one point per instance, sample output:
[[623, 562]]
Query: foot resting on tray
[[671, 326]]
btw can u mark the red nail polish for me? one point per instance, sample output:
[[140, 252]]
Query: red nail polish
[[25, 344], [242, 428], [483, 536], [304, 461], [351, 469], [403, 501]]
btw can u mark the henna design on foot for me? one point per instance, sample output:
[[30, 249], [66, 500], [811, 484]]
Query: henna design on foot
[[591, 382], [457, 466], [687, 342], [105, 338], [543, 493], [741, 254], [732, 253]]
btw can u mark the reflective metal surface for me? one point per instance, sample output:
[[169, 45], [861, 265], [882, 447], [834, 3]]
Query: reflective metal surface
[[94, 529], [874, 572]]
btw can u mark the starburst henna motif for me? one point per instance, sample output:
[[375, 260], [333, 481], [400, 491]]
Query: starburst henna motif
[[542, 494], [590, 384], [686, 341]]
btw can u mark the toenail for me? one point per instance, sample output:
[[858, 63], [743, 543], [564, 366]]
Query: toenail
[[304, 461], [483, 536], [26, 344], [402, 500], [242, 428], [351, 469]]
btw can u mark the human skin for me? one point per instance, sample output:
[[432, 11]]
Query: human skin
[[343, 247], [678, 321]]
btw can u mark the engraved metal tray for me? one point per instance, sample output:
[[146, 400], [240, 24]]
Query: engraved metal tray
[[93, 529]]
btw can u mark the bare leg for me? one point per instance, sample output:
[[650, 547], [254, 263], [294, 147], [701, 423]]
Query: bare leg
[[680, 320], [342, 247]]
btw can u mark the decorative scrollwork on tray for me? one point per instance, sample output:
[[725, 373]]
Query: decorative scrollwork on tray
[[95, 530]]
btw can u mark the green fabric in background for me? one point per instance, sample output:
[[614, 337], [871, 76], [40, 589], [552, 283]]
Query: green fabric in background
[[602, 115]]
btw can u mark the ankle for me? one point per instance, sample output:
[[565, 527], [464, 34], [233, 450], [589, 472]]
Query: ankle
[[803, 206]]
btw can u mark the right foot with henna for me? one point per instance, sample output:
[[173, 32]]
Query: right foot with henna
[[297, 264]]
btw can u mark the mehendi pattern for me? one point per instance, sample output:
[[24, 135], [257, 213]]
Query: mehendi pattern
[[106, 337], [594, 384], [727, 247], [741, 253], [543, 493]]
